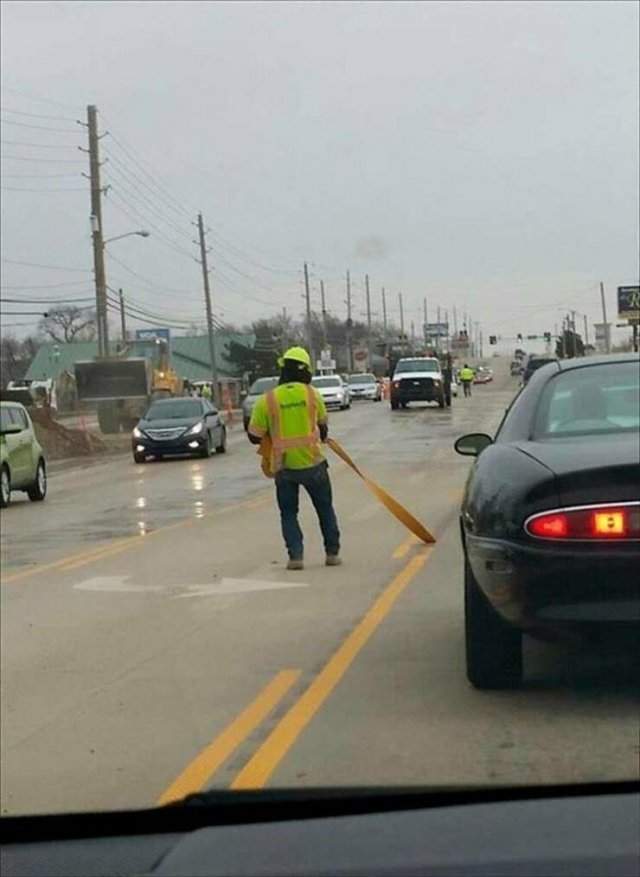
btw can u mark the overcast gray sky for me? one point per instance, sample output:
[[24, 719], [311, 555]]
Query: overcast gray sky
[[480, 154]]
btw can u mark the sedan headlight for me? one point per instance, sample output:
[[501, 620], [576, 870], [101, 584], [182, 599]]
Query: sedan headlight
[[137, 433], [196, 428]]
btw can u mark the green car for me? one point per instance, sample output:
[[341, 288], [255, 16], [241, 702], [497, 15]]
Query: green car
[[22, 463]]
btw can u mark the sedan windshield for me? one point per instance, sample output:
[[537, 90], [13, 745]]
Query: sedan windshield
[[262, 385], [326, 382], [176, 409], [596, 399], [418, 365], [362, 379]]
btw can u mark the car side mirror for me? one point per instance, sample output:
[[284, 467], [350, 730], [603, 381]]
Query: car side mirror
[[213, 413], [473, 444]]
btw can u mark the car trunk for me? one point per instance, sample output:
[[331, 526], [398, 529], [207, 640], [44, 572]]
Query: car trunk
[[590, 469]]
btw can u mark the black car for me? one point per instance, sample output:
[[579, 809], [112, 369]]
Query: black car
[[180, 425], [533, 364], [550, 518]]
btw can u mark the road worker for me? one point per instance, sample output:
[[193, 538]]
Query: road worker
[[291, 422], [467, 375], [206, 392]]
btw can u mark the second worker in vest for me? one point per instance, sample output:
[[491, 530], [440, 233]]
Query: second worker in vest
[[294, 417]]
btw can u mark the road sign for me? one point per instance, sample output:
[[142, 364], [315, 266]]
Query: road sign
[[629, 302], [151, 334], [436, 330]]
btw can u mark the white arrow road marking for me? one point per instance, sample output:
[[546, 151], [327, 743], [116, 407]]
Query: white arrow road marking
[[115, 584], [237, 586]]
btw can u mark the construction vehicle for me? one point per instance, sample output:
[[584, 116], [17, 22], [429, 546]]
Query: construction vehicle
[[122, 386]]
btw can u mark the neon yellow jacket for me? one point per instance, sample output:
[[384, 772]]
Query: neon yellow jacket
[[290, 415]]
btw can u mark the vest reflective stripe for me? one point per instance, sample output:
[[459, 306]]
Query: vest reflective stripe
[[282, 444]]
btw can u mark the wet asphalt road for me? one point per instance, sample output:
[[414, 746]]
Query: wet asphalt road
[[153, 643]]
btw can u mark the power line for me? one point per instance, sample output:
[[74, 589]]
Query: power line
[[37, 115], [146, 280], [48, 160], [37, 145], [40, 176], [171, 201], [45, 301], [39, 127], [38, 98], [23, 189], [114, 193], [41, 285], [49, 267], [133, 179]]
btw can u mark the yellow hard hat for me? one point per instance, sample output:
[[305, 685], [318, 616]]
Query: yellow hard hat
[[299, 354]]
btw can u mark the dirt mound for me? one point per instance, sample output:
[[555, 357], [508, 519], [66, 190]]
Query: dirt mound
[[60, 442]]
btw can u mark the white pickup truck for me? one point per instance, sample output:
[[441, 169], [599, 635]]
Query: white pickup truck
[[417, 379]]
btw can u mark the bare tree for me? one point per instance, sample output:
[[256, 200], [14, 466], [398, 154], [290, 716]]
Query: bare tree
[[69, 323], [15, 357]]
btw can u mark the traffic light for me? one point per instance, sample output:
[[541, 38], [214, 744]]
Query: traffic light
[[547, 337], [519, 336], [493, 339]]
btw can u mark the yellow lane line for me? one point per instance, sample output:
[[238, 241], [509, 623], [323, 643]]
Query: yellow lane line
[[201, 769], [73, 561], [266, 759], [403, 549]]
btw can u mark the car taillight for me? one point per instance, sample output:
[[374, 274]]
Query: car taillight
[[596, 522]]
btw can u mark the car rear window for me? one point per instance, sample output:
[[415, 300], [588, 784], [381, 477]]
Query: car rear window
[[595, 399], [262, 385], [362, 379], [418, 365]]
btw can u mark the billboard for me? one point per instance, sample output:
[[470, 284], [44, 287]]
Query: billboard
[[151, 334], [436, 330], [629, 302]]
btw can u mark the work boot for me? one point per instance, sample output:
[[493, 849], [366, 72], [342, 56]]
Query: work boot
[[333, 560], [295, 564]]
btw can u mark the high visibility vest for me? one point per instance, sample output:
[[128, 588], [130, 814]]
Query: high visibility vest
[[285, 426], [467, 374], [286, 418]]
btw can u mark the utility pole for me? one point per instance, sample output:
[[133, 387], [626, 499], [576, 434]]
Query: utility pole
[[607, 336], [438, 329], [308, 307], [324, 315], [455, 322], [349, 324], [369, 355], [384, 319], [96, 232], [425, 318], [207, 301], [401, 318], [586, 330], [285, 339], [123, 324]]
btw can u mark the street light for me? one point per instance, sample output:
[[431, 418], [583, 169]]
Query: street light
[[99, 246], [143, 233]]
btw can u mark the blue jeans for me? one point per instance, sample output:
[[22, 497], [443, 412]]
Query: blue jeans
[[315, 481]]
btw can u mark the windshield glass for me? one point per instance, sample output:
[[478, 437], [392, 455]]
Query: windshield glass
[[242, 591], [175, 409], [326, 382], [588, 401], [362, 379], [418, 365], [262, 385]]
